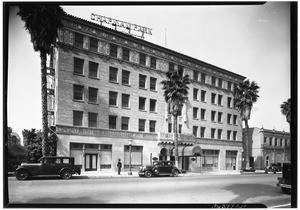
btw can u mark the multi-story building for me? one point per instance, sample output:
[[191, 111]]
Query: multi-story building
[[107, 97], [267, 147]]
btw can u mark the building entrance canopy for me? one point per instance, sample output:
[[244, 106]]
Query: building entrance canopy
[[190, 151]]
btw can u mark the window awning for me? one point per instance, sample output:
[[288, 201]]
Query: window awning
[[190, 151]]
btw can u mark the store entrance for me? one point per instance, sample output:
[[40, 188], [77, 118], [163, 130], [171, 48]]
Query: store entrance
[[90, 161]]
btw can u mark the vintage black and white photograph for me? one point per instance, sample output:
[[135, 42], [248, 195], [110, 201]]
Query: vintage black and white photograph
[[149, 104]]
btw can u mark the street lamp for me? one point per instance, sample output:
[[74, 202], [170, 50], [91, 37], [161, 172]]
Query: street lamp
[[130, 143]]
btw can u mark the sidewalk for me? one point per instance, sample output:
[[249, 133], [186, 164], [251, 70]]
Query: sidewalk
[[111, 174]]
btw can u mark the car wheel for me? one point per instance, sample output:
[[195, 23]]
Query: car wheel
[[66, 174], [156, 171], [285, 190], [22, 175], [175, 173], [148, 174]]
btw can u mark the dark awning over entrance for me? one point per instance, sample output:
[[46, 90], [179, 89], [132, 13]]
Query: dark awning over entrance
[[190, 151]]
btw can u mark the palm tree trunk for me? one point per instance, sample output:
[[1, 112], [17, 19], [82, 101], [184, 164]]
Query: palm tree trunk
[[45, 148], [247, 144], [176, 140]]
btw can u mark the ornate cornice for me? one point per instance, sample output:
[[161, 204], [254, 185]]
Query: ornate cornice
[[114, 36]]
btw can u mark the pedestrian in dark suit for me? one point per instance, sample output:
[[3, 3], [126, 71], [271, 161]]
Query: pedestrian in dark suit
[[119, 165]]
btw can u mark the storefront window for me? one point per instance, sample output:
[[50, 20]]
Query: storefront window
[[210, 159]]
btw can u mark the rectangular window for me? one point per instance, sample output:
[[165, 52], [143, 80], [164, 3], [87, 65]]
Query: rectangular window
[[213, 116], [142, 103], [170, 128], [125, 77], [195, 112], [213, 133], [93, 69], [219, 133], [180, 70], [228, 135], [153, 83], [113, 98], [125, 100], [179, 128], [203, 95], [234, 135], [229, 86], [142, 81], [79, 40], [93, 119], [78, 66], [125, 55], [153, 62], [220, 100], [195, 94], [195, 131], [78, 92], [265, 140], [229, 119], [142, 59], [93, 95], [93, 45], [202, 132], [234, 119], [113, 74], [125, 123], [213, 81], [276, 142], [77, 118], [203, 77], [152, 125], [203, 113], [213, 98], [113, 50], [152, 105], [220, 83], [112, 121], [229, 100], [220, 117], [142, 123], [195, 75], [171, 67]]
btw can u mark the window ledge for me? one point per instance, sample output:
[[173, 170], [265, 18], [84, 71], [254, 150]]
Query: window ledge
[[128, 85], [77, 74], [141, 88], [94, 103], [113, 106], [114, 82], [94, 78], [80, 101]]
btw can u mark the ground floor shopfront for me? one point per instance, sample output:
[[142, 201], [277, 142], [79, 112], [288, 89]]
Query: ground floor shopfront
[[99, 150]]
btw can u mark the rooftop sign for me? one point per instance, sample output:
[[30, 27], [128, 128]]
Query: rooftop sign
[[119, 23]]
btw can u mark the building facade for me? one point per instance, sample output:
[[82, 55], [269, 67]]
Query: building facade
[[105, 97], [267, 147]]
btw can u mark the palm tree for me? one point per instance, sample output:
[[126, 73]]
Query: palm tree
[[176, 94], [245, 95], [286, 110], [42, 22]]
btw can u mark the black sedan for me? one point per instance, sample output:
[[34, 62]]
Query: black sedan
[[159, 168]]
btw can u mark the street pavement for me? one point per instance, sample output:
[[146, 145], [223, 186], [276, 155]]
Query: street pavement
[[111, 174]]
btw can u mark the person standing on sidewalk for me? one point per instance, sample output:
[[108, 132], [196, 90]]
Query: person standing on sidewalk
[[119, 165]]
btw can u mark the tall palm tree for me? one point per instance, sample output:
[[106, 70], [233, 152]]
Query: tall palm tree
[[176, 94], [286, 110], [42, 23], [245, 95]]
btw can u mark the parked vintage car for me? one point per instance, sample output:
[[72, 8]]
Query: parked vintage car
[[274, 167], [54, 166], [159, 168], [284, 182]]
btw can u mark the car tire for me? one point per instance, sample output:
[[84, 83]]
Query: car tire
[[22, 175], [66, 174], [285, 190], [175, 173], [148, 174], [156, 171]]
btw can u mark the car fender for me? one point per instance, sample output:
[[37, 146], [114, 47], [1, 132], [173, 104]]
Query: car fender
[[67, 168], [22, 168]]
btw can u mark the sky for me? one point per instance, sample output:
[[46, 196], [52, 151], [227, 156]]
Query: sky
[[253, 41]]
